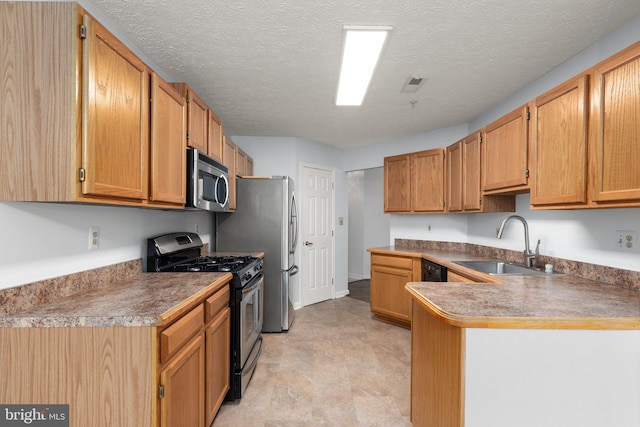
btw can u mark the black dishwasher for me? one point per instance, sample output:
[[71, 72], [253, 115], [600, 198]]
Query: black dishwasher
[[432, 272]]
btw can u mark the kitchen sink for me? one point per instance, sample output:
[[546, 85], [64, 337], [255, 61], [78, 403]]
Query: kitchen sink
[[499, 267]]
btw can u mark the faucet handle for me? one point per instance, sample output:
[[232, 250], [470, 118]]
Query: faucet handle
[[538, 248]]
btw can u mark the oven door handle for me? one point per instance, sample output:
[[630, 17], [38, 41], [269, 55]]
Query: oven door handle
[[253, 287]]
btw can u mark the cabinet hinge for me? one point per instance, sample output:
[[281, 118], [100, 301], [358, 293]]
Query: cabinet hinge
[[480, 200], [83, 31], [526, 173], [187, 135], [528, 115], [188, 99], [160, 391], [480, 139], [82, 175]]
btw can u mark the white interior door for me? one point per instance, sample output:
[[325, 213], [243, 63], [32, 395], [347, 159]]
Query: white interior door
[[317, 238]]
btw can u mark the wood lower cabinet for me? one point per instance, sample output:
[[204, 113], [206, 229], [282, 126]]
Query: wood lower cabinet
[[181, 387], [389, 274], [559, 145], [130, 376], [615, 130], [168, 143], [504, 153], [217, 337]]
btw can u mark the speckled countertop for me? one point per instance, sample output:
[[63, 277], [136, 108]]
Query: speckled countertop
[[147, 299], [556, 301]]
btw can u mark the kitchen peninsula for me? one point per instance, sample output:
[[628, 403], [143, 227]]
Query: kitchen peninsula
[[552, 350]]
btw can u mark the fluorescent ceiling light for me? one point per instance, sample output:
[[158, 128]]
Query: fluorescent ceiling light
[[360, 53]]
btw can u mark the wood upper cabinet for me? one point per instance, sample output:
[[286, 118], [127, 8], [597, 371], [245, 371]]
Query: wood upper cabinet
[[249, 171], [116, 131], [454, 177], [74, 121], [559, 145], [241, 162], [214, 136], [197, 118], [427, 183], [504, 145], [229, 160], [75, 124], [397, 182], [168, 143], [615, 130], [414, 182], [471, 173]]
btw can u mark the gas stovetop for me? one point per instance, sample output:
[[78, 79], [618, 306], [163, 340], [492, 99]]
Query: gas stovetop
[[180, 252]]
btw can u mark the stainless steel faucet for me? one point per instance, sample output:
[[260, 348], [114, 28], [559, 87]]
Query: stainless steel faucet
[[528, 255]]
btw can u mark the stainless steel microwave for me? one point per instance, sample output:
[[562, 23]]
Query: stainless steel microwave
[[207, 183]]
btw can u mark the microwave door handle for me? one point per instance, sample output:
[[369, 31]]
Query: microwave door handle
[[226, 190]]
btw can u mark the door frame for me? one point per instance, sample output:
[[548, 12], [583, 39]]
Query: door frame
[[301, 209]]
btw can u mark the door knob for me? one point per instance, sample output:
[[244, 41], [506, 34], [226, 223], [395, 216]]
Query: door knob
[[308, 243]]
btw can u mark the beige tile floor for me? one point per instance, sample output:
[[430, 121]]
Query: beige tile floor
[[335, 367]]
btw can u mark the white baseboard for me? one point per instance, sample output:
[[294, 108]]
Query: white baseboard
[[342, 293], [354, 277]]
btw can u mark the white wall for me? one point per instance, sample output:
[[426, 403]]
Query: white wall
[[43, 240], [369, 226], [356, 225]]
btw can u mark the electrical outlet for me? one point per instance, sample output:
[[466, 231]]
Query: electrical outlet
[[626, 240], [429, 227], [94, 238]]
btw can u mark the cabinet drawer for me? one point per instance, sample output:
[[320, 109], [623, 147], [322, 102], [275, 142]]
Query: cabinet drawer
[[216, 302], [392, 261], [176, 335]]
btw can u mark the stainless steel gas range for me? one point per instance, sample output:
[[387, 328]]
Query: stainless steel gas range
[[180, 252]]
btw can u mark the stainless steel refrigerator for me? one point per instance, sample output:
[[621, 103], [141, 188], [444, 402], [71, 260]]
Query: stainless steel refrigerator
[[265, 220]]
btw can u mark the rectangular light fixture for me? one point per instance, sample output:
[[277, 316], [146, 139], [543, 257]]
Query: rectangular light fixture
[[360, 52]]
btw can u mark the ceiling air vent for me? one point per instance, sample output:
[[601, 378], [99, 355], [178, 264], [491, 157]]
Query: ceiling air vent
[[412, 84]]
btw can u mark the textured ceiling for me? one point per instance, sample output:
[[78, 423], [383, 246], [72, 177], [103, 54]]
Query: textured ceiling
[[270, 68]]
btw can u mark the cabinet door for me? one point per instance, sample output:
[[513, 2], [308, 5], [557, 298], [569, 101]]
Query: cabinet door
[[218, 362], [559, 145], [249, 166], [241, 162], [168, 143], [229, 160], [505, 153], [397, 181], [197, 120], [454, 177], [427, 184], [471, 184], [214, 135], [183, 382], [389, 298], [115, 117], [615, 127]]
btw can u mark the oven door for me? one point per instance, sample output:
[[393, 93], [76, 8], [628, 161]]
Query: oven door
[[251, 316]]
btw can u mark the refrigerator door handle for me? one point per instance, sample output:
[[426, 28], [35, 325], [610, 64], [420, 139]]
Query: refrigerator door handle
[[294, 224], [293, 270]]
